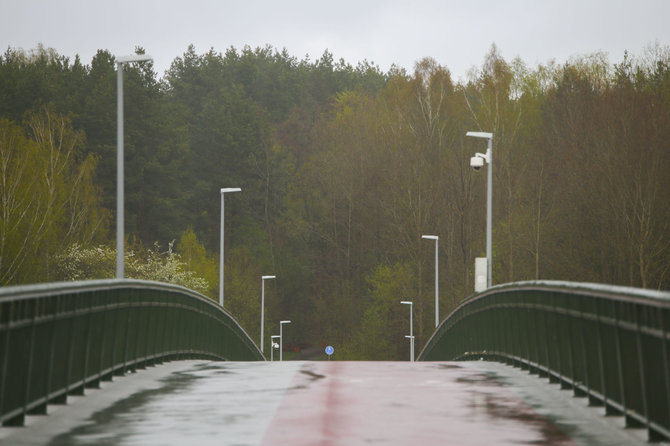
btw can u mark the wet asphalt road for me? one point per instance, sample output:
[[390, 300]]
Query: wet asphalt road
[[325, 403]]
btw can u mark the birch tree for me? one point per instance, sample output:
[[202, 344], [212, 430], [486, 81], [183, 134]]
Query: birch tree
[[48, 196]]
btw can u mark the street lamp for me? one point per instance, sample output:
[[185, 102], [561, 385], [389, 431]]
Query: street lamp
[[120, 236], [263, 278], [437, 278], [411, 339], [477, 162], [272, 346], [224, 191], [411, 330], [281, 339]]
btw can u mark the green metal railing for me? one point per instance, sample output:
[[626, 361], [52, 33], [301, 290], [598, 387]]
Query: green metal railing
[[610, 344], [58, 338]]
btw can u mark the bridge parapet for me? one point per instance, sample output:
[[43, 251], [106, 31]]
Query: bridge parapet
[[56, 339], [608, 343]]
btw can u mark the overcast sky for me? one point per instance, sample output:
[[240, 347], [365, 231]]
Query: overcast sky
[[458, 34]]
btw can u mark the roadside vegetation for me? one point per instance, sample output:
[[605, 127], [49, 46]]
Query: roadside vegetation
[[342, 169]]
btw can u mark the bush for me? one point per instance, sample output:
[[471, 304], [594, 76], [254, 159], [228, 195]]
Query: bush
[[99, 262]]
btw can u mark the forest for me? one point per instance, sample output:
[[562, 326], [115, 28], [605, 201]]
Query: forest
[[342, 169]]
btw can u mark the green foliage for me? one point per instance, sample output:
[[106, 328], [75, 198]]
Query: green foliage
[[48, 198], [342, 168], [243, 292], [99, 262], [196, 258], [79, 263], [385, 321]]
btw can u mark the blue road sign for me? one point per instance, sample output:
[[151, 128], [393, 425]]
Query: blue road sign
[[330, 350]]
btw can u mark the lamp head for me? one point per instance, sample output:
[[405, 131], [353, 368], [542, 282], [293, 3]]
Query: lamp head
[[134, 58], [484, 135]]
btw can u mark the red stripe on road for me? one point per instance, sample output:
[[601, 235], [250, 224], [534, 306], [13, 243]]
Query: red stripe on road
[[400, 403]]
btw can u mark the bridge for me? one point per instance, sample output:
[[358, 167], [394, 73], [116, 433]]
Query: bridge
[[531, 362]]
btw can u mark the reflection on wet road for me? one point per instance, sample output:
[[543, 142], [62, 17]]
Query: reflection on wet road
[[344, 403], [210, 403], [336, 403]]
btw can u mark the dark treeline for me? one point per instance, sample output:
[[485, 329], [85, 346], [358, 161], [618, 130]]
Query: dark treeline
[[342, 168]]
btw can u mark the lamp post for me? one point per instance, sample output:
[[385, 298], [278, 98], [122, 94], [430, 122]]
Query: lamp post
[[120, 235], [281, 339], [272, 346], [437, 278], [224, 191], [411, 330], [263, 278], [411, 354], [476, 162]]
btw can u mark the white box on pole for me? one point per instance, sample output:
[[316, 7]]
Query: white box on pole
[[480, 274]]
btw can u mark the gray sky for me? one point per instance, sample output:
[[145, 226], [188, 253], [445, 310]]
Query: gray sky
[[457, 34]]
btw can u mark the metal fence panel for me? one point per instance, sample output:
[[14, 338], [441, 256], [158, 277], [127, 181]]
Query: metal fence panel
[[57, 339]]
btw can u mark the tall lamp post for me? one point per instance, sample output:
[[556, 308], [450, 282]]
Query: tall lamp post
[[411, 330], [224, 191], [477, 162], [437, 278], [120, 235], [281, 339], [272, 346], [263, 279]]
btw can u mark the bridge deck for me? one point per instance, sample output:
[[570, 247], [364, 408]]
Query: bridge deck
[[324, 403]]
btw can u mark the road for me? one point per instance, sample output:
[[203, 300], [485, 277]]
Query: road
[[325, 403]]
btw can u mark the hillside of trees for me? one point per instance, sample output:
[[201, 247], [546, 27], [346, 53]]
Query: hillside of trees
[[342, 169]]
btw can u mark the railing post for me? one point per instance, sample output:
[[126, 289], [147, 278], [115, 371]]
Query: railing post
[[554, 331], [619, 358], [30, 305], [573, 345], [87, 349], [666, 361], [149, 330], [515, 326], [70, 331], [114, 312], [128, 315], [586, 391], [78, 319], [560, 340], [526, 322], [569, 384], [10, 399], [601, 353], [5, 319], [163, 340], [103, 339], [532, 323], [641, 368], [545, 328], [136, 331]]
